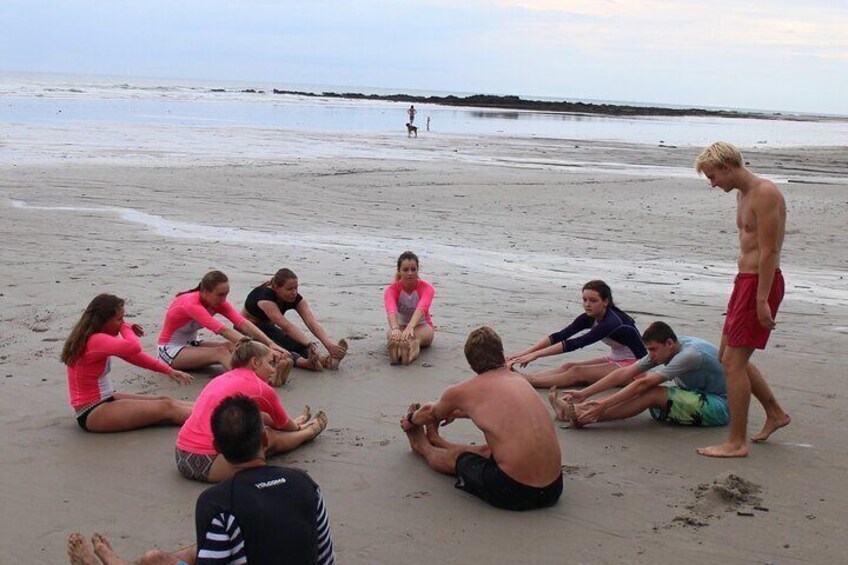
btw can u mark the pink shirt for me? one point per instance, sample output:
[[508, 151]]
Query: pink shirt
[[186, 315], [196, 434], [87, 376], [404, 304]]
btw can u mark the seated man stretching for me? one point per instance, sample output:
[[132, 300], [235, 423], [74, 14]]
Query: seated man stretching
[[697, 398], [519, 467], [262, 514]]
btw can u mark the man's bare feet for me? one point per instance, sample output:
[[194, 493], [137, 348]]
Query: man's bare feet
[[281, 372], [317, 424], [103, 550], [304, 416], [724, 450], [432, 433], [416, 436], [79, 551], [771, 425], [394, 352], [406, 422]]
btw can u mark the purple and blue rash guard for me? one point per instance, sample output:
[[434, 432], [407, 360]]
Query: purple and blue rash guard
[[616, 329]]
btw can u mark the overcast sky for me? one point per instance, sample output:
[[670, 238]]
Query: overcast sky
[[764, 54]]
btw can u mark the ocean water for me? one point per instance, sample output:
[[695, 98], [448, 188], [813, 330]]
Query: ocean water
[[45, 117]]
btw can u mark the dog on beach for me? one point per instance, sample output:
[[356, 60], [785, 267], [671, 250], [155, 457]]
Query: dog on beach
[[411, 130]]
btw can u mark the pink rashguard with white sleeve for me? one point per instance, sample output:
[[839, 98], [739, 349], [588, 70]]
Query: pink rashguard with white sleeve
[[404, 304], [88, 381], [187, 315]]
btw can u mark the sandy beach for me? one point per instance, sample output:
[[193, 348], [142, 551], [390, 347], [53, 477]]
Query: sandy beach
[[508, 230]]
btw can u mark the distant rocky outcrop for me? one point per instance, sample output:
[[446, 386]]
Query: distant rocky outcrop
[[518, 103]]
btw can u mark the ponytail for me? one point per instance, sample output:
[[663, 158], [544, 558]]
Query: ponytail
[[208, 283]]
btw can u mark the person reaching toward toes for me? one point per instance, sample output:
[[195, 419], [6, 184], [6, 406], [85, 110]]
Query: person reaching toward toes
[[519, 467], [197, 456], [266, 306], [194, 309], [697, 397], [605, 322], [102, 333], [407, 303]]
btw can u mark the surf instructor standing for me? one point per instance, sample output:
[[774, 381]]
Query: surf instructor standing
[[757, 293]]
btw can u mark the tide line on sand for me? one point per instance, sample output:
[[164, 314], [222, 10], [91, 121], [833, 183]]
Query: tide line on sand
[[817, 285]]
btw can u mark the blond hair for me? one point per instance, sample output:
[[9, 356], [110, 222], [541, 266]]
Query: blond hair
[[718, 154], [246, 350]]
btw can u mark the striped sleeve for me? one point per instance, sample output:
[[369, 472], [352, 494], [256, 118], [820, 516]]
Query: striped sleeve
[[322, 527], [222, 543]]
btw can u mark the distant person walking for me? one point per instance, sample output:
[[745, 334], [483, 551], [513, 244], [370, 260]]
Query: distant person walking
[[412, 111], [757, 293], [428, 123]]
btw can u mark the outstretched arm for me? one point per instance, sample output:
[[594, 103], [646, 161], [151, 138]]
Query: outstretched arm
[[278, 319], [249, 328], [409, 331], [315, 327], [544, 342], [618, 378], [444, 408], [524, 360], [595, 408]]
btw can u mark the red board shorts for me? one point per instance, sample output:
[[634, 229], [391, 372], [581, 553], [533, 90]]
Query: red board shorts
[[741, 326]]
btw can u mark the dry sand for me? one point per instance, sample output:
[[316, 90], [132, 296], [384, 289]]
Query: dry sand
[[506, 244]]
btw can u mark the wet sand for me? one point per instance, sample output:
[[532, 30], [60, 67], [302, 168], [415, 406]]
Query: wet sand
[[508, 241]]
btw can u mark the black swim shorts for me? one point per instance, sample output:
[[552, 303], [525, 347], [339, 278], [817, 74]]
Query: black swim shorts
[[82, 415], [483, 478]]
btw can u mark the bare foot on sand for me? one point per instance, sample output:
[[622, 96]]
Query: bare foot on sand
[[416, 436], [104, 550], [394, 352], [304, 416], [411, 352], [432, 433], [317, 424], [281, 372], [558, 404], [313, 362], [404, 353], [332, 362], [79, 551], [564, 408], [724, 450], [771, 426]]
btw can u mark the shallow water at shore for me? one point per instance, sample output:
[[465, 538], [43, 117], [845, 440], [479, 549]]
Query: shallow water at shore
[[96, 112]]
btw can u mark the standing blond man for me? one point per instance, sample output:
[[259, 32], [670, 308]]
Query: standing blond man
[[757, 293]]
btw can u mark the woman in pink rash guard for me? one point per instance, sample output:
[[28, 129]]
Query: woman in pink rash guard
[[408, 302], [253, 364], [100, 334], [194, 309]]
